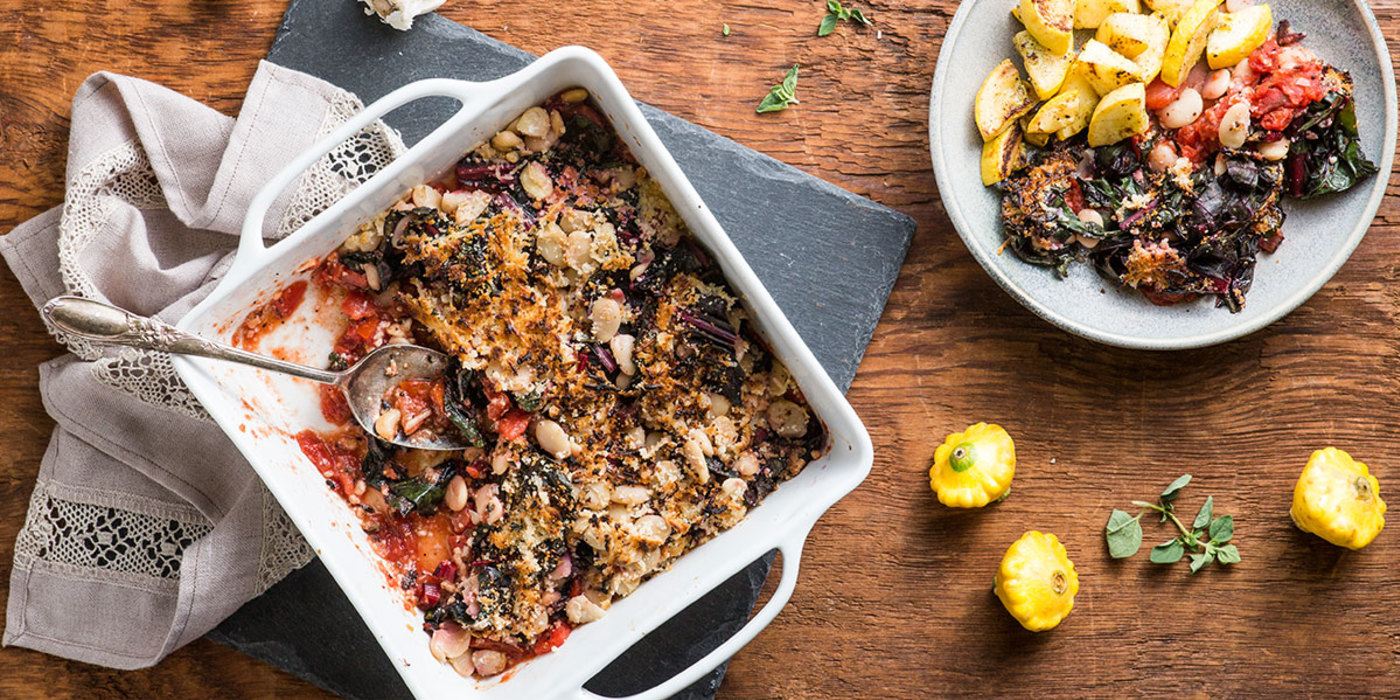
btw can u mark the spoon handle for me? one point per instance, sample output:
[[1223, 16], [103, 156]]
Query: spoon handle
[[105, 323]]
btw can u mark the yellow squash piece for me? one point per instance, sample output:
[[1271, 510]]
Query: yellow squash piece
[[1036, 581], [975, 467], [1047, 70], [1089, 14], [1057, 113], [1051, 22], [1120, 114], [1238, 35], [1002, 100], [1337, 499], [1085, 101], [1104, 68], [1142, 38], [1189, 40], [1002, 155], [1172, 10], [1035, 139]]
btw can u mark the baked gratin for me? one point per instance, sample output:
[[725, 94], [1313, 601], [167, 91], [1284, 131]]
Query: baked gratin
[[621, 407]]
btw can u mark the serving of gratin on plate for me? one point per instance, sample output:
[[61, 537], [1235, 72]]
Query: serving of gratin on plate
[[618, 405], [1170, 146], [1161, 150]]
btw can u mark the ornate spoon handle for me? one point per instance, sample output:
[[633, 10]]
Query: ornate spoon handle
[[105, 323]]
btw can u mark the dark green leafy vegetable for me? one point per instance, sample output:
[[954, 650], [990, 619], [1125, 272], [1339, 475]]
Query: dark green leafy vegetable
[[1324, 156]]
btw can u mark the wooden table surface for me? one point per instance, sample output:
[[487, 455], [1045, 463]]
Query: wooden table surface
[[894, 599]]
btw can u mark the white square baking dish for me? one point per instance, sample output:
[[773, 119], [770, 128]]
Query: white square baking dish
[[260, 412]]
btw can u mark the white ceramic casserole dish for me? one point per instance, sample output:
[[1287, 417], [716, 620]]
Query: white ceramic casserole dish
[[261, 412]]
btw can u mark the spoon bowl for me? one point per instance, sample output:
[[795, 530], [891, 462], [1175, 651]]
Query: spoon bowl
[[365, 384]]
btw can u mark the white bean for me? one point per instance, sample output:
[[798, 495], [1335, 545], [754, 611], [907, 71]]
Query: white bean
[[553, 439], [1161, 157], [734, 487], [425, 196], [463, 666], [1274, 150], [1234, 126], [488, 662], [607, 318], [581, 610], [747, 464], [621, 345], [695, 457], [787, 418], [653, 528], [449, 641], [506, 141], [536, 181], [386, 426], [1089, 216], [630, 495], [1216, 84], [1186, 108], [456, 494], [534, 122]]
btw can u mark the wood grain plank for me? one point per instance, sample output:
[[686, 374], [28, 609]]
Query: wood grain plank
[[894, 599]]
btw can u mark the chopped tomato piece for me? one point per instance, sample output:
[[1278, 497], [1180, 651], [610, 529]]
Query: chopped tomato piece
[[332, 271], [497, 403], [553, 638], [358, 305], [289, 299], [1160, 94], [512, 424], [334, 408]]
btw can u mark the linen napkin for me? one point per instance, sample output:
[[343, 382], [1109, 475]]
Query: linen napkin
[[146, 528]]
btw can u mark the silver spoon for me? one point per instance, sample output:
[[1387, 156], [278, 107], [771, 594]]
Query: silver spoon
[[364, 385]]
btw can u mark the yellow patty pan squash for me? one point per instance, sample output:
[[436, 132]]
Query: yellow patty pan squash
[[1036, 581], [1337, 499], [973, 468]]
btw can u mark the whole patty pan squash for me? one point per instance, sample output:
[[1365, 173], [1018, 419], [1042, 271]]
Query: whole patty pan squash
[[1337, 499], [1036, 581], [973, 468]]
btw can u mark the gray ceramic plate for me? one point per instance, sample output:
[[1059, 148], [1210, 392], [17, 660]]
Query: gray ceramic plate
[[1319, 235]]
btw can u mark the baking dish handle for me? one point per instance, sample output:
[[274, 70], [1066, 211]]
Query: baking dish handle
[[791, 550], [251, 251]]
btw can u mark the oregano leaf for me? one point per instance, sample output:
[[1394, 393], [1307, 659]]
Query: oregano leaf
[[1222, 529], [1168, 552], [1123, 534], [1203, 517]]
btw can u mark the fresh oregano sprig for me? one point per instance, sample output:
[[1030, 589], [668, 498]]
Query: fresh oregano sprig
[[1206, 539], [836, 13], [781, 95]]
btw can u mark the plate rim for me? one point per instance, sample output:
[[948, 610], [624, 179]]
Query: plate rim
[[1286, 306]]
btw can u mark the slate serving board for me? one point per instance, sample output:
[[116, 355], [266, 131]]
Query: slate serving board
[[830, 264]]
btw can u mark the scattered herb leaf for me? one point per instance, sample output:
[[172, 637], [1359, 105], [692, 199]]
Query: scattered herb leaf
[[1204, 541], [1203, 517], [836, 13], [1222, 529], [724, 30], [1228, 554], [1124, 534], [1167, 552], [782, 95]]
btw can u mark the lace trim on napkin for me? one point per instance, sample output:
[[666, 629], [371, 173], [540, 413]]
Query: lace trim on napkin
[[141, 539], [123, 538]]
